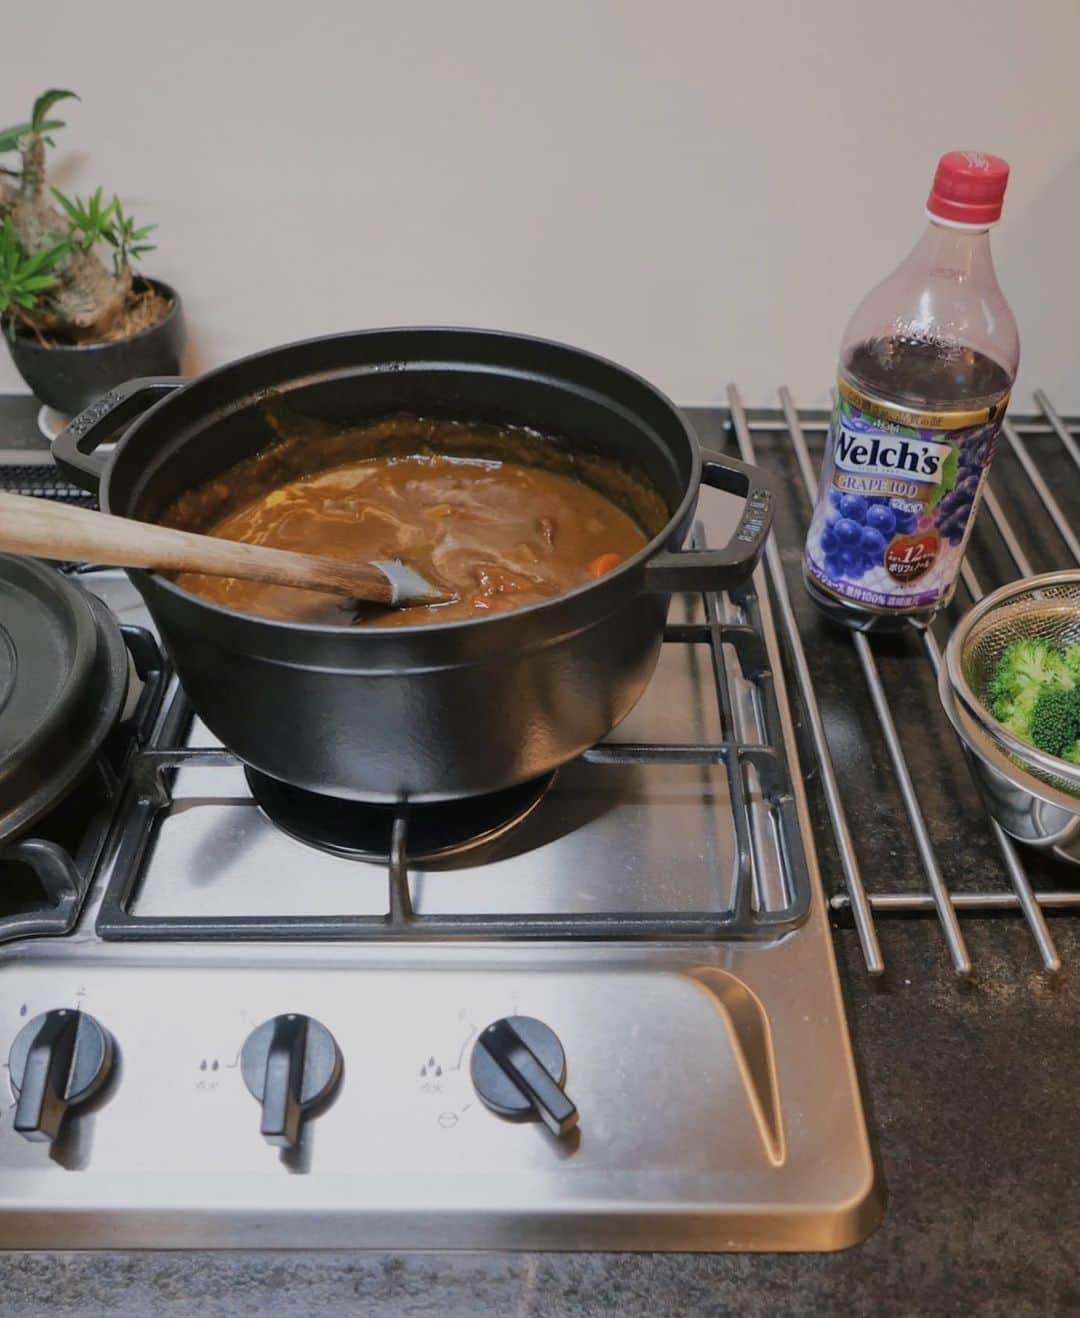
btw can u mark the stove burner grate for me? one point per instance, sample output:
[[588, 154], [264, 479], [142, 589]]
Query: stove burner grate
[[45, 873], [403, 836]]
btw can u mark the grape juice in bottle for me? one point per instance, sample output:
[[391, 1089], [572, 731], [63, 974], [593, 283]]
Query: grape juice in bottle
[[926, 366]]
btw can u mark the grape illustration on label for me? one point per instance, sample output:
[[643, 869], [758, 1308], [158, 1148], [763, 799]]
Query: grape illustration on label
[[900, 500]]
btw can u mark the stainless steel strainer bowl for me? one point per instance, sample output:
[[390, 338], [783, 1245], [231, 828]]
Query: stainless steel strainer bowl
[[1035, 797]]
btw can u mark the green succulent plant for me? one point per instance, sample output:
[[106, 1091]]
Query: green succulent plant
[[53, 278]]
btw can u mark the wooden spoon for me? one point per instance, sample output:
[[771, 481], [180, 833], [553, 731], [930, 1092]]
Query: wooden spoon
[[59, 531]]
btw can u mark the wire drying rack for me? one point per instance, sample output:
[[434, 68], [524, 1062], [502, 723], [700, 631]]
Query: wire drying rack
[[1042, 449], [41, 480]]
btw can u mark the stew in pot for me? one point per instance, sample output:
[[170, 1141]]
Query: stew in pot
[[501, 517]]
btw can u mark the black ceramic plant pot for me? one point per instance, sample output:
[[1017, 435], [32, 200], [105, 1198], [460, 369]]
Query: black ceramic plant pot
[[71, 378]]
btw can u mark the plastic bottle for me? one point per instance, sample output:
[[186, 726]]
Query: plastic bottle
[[926, 366]]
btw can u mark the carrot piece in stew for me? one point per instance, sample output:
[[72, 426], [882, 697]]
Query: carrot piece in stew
[[603, 563]]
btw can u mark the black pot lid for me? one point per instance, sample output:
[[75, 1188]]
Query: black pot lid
[[63, 677]]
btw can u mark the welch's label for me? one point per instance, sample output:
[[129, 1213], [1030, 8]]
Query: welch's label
[[875, 454], [897, 500]]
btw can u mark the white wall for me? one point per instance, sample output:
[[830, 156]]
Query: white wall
[[701, 190]]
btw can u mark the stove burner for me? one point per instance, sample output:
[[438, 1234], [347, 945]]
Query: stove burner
[[362, 830]]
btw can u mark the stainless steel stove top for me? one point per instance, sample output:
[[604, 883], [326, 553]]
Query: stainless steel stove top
[[718, 1105]]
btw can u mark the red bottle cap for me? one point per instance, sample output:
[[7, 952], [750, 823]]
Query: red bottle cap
[[968, 187]]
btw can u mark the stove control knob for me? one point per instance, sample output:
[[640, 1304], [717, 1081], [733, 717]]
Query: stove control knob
[[290, 1063], [58, 1060], [518, 1068]]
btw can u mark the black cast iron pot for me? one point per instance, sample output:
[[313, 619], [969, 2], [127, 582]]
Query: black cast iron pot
[[435, 711]]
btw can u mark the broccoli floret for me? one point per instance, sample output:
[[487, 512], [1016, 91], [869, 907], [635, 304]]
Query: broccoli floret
[[1072, 753], [1055, 720], [1026, 671], [1072, 662], [1024, 666], [1015, 714]]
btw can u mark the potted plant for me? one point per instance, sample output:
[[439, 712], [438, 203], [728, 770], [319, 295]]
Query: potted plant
[[78, 319]]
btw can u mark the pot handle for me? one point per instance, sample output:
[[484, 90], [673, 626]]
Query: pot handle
[[73, 448], [717, 569]]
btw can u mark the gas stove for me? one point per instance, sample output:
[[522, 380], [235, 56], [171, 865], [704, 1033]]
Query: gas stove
[[599, 1012]]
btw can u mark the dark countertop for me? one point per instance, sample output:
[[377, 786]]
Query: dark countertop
[[970, 1088], [18, 422]]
